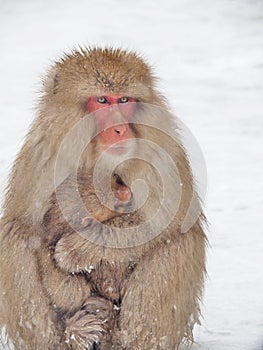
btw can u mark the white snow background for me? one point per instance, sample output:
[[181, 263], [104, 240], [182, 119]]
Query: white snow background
[[209, 56]]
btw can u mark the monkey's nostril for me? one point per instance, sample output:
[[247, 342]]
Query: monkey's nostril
[[121, 130]]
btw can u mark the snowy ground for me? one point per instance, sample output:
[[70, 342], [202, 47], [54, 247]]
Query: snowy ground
[[209, 55]]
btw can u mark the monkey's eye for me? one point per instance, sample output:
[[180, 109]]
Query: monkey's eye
[[123, 99], [102, 99]]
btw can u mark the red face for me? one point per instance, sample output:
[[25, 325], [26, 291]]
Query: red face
[[113, 114]]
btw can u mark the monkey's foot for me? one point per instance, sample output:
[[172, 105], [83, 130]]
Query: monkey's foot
[[89, 324]]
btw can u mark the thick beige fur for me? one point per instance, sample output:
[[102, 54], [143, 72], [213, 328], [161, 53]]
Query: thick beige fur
[[60, 287]]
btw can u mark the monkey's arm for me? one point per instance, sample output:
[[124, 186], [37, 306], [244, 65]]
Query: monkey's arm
[[24, 304], [66, 292]]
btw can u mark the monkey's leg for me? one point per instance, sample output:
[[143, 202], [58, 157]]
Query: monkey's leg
[[147, 319], [80, 318], [160, 305]]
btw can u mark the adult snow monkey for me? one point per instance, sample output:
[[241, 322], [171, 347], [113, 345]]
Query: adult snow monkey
[[93, 250]]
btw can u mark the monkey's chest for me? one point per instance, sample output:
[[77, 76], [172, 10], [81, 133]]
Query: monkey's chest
[[109, 279]]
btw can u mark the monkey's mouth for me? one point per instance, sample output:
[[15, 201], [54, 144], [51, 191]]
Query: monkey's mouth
[[117, 149]]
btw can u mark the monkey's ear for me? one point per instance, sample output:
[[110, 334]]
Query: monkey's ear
[[52, 81]]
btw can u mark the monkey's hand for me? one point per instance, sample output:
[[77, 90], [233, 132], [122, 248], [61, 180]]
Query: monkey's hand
[[89, 324]]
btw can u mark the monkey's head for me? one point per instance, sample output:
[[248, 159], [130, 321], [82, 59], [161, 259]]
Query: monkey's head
[[100, 113], [109, 84]]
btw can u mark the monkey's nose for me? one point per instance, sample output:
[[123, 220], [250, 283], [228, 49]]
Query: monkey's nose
[[120, 130]]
